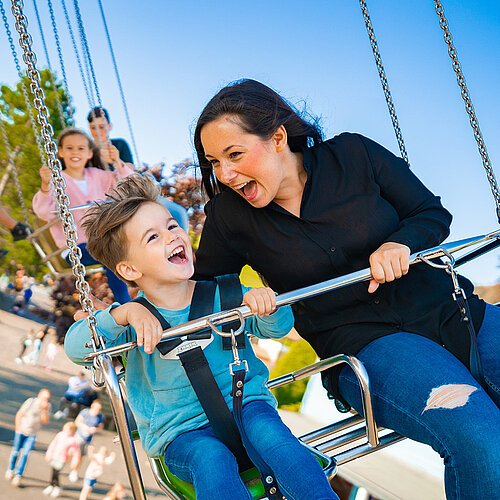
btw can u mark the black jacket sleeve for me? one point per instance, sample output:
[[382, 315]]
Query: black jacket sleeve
[[214, 256], [424, 222]]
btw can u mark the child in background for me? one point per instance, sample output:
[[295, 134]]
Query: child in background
[[86, 181], [50, 352], [95, 469], [60, 450], [138, 237]]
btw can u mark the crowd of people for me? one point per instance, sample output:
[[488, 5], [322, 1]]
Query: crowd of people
[[70, 445]]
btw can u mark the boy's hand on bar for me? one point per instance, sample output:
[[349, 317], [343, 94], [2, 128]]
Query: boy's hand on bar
[[261, 301], [146, 326]]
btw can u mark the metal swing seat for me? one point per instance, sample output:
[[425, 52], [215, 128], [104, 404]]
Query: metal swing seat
[[346, 440]]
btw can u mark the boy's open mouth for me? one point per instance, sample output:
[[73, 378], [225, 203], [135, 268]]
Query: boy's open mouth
[[178, 256]]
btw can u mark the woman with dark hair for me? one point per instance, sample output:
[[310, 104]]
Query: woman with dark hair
[[301, 211]]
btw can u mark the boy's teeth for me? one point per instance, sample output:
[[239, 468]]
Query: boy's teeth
[[240, 186], [175, 252]]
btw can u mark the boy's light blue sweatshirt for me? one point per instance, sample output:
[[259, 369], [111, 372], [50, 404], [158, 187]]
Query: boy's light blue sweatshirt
[[160, 395]]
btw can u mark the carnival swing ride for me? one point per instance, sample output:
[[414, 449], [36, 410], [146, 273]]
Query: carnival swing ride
[[356, 435]]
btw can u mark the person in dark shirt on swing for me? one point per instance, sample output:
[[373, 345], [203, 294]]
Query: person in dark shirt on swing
[[301, 211], [111, 149]]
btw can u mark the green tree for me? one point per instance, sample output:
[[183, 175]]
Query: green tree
[[16, 119]]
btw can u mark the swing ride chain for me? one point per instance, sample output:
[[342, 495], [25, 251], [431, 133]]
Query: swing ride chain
[[118, 79], [383, 80], [468, 105], [90, 98], [57, 180], [23, 86], [51, 74], [12, 160], [61, 62], [86, 50]]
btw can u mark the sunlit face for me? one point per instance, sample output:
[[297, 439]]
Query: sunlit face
[[99, 128], [244, 162], [75, 151], [158, 249]]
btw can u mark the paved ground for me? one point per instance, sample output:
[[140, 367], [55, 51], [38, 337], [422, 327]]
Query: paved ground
[[19, 382]]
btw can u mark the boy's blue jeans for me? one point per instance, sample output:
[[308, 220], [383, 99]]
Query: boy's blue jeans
[[118, 287], [425, 393], [200, 458], [24, 444]]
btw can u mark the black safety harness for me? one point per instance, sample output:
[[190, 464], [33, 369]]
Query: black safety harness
[[228, 430]]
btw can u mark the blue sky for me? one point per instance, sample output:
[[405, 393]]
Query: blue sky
[[173, 56]]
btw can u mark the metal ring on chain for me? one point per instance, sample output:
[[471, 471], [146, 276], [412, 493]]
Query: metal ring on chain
[[468, 106], [383, 80]]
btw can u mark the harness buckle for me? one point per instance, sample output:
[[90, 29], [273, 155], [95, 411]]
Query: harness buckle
[[237, 361]]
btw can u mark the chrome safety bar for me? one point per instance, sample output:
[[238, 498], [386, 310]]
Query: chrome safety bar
[[122, 425], [302, 293]]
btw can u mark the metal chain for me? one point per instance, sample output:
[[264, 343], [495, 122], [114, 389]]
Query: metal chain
[[51, 75], [86, 50], [65, 215], [383, 80], [118, 79], [12, 161], [61, 61], [23, 86], [468, 106], [90, 99]]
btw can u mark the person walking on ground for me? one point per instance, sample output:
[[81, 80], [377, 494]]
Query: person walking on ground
[[33, 413], [63, 447], [89, 421]]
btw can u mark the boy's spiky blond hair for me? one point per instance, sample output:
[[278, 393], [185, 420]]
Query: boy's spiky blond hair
[[103, 223]]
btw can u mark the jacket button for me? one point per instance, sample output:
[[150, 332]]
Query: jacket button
[[332, 249], [376, 301]]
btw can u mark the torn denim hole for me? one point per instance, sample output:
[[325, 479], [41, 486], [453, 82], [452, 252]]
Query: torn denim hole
[[449, 396]]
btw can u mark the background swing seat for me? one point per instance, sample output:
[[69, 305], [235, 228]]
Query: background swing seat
[[50, 253]]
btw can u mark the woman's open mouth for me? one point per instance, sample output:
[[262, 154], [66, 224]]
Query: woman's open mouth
[[248, 190], [178, 256]]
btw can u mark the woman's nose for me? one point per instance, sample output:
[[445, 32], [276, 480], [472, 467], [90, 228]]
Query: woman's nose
[[226, 173]]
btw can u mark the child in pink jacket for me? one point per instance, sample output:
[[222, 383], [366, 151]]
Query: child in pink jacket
[[86, 182], [63, 447]]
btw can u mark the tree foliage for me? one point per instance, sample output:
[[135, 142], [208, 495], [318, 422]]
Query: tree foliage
[[19, 129]]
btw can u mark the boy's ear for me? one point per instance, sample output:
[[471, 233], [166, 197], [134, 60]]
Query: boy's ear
[[127, 271]]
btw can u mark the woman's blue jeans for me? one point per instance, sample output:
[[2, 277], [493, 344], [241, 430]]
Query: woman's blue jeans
[[118, 287], [200, 458], [24, 444], [425, 393]]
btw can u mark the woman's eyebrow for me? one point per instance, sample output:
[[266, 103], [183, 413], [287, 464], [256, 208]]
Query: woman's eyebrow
[[225, 150]]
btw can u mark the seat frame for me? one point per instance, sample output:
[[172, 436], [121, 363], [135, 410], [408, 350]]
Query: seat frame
[[343, 441]]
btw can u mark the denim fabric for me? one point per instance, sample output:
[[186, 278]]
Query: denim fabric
[[409, 374], [200, 458], [118, 287], [24, 444]]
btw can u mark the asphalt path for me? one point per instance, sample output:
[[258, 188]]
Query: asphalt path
[[19, 382]]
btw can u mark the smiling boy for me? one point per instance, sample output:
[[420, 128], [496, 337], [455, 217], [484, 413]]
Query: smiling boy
[[136, 236]]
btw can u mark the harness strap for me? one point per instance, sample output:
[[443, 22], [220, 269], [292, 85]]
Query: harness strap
[[268, 480], [200, 376], [231, 297], [215, 407], [476, 367]]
